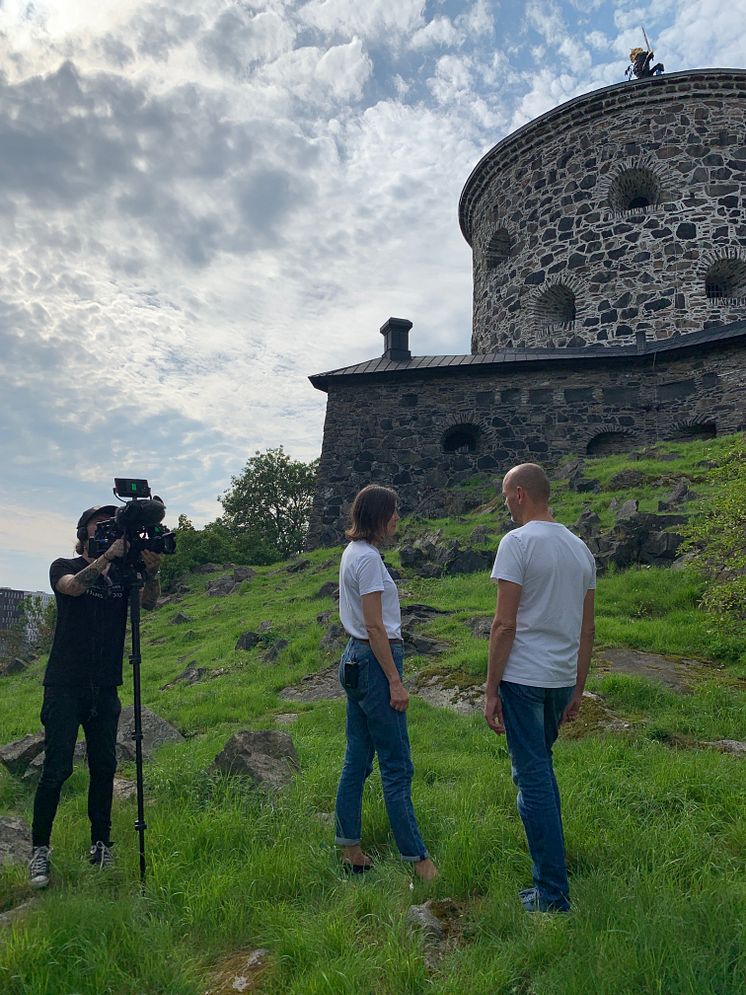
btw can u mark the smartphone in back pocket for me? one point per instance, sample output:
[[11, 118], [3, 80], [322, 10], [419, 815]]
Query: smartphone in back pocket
[[352, 675]]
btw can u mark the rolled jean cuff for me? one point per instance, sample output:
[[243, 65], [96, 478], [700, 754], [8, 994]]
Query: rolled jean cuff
[[341, 841], [416, 860]]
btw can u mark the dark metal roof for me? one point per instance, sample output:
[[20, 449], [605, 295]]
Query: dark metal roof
[[419, 367]]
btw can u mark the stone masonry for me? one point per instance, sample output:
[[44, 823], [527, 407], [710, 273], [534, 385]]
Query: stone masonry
[[609, 249], [622, 211]]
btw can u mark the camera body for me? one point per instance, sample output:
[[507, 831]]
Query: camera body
[[138, 521]]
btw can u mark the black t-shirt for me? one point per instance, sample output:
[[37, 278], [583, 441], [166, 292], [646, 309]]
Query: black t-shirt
[[89, 637]]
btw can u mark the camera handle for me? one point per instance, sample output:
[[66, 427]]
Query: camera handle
[[133, 581]]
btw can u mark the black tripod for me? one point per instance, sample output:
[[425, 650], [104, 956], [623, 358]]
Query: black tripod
[[132, 576]]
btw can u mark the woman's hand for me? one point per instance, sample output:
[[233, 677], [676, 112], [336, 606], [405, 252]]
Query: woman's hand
[[399, 696]]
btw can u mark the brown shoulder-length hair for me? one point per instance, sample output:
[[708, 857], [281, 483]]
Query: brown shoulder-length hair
[[371, 512]]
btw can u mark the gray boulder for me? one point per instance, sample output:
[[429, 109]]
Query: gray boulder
[[422, 645], [628, 509], [181, 618], [423, 918], [17, 756], [155, 732], [243, 573], [266, 758], [626, 480], [297, 565], [588, 523], [190, 675], [468, 561], [678, 495], [15, 840]]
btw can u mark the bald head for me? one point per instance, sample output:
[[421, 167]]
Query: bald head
[[530, 478]]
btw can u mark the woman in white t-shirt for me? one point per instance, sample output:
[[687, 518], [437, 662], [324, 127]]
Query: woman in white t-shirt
[[371, 674]]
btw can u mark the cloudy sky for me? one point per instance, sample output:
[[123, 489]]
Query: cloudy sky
[[203, 203]]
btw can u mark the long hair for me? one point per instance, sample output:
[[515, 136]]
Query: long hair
[[371, 512]]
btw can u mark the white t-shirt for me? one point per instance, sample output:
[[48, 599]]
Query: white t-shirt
[[555, 569], [362, 571]]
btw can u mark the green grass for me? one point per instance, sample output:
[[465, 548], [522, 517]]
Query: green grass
[[655, 825]]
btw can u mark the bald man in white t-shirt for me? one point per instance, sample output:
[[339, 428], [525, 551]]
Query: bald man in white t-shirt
[[540, 649]]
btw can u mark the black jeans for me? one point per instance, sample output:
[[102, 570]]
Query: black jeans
[[64, 710]]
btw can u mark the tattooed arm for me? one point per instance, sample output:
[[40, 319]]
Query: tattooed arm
[[152, 590], [77, 584]]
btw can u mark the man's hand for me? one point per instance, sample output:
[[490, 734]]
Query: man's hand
[[152, 563], [493, 713], [571, 711], [399, 696]]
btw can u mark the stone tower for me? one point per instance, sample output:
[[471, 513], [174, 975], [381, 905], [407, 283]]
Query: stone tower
[[619, 213], [609, 246]]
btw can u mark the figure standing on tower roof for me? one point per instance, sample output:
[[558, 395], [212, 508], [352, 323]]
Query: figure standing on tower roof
[[640, 66]]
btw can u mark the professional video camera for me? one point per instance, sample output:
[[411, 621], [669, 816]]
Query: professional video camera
[[138, 520]]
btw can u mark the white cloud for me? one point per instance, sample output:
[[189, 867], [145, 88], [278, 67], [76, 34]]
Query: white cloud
[[439, 31], [372, 20]]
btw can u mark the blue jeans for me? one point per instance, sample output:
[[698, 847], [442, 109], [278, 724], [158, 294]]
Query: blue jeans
[[373, 726], [532, 717]]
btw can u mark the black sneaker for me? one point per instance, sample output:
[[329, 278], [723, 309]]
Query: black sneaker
[[100, 856], [38, 867]]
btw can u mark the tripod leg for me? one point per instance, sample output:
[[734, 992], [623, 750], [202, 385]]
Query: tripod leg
[[135, 660]]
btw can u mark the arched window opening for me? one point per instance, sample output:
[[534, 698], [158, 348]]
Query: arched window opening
[[609, 444], [634, 189], [556, 306], [694, 432], [500, 248], [726, 279], [461, 439]]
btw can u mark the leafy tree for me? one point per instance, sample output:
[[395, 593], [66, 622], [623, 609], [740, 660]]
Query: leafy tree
[[719, 536], [39, 619], [215, 543], [270, 501]]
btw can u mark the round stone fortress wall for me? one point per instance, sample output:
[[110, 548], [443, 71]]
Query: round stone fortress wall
[[620, 213]]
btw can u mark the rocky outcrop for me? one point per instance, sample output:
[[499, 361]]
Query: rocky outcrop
[[17, 756], [431, 556]]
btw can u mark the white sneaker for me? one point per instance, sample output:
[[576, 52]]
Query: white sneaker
[[38, 867]]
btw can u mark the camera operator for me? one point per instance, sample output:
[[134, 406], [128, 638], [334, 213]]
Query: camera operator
[[80, 685]]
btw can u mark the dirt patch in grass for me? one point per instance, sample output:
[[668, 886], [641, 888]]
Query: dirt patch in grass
[[678, 674]]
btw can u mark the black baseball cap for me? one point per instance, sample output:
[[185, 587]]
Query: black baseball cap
[[88, 514]]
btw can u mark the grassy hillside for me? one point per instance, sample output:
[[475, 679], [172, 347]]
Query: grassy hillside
[[655, 823]]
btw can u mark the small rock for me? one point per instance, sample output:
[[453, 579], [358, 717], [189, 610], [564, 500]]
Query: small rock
[[267, 757], [264, 626], [469, 561], [18, 755], [588, 523], [323, 686], [274, 650], [422, 917], [480, 626], [733, 746], [323, 617], [247, 641], [481, 535], [328, 590], [241, 574], [286, 718], [15, 840], [333, 636], [221, 587], [297, 565], [206, 568], [626, 480], [124, 789], [628, 509], [14, 666], [190, 675], [16, 913], [181, 618], [155, 732], [423, 645]]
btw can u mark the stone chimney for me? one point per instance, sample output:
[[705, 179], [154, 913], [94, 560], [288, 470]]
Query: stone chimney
[[396, 339]]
